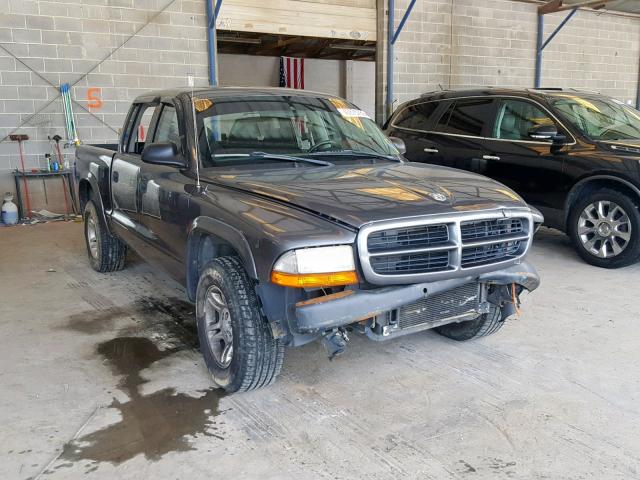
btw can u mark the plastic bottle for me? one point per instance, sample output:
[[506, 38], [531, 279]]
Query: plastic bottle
[[47, 156], [9, 210]]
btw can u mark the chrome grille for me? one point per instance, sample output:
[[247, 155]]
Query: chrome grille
[[420, 236], [486, 254], [461, 302], [436, 247], [410, 263], [497, 227]]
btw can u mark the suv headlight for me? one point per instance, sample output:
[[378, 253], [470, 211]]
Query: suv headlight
[[316, 267]]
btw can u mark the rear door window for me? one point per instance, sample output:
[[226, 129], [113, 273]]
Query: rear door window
[[167, 129], [467, 117], [516, 118], [416, 116], [138, 128]]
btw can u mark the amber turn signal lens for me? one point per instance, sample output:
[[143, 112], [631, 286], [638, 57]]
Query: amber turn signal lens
[[306, 280]]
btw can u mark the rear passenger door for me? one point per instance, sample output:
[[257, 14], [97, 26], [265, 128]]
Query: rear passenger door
[[125, 171], [461, 130]]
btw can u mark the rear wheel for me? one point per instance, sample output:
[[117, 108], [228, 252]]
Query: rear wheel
[[484, 325], [235, 338], [604, 227], [106, 252]]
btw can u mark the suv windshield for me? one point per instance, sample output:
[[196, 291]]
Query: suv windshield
[[599, 118], [231, 130]]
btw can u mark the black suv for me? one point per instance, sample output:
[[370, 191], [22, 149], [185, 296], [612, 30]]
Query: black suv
[[573, 155]]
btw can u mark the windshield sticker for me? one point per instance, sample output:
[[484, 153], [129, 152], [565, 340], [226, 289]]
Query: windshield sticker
[[352, 112], [201, 104]]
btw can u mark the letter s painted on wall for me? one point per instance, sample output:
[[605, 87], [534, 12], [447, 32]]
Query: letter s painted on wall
[[93, 98]]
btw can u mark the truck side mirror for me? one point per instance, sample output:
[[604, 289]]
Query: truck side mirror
[[163, 154], [399, 144]]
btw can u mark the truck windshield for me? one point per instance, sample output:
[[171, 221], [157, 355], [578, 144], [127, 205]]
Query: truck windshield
[[231, 129], [599, 118]]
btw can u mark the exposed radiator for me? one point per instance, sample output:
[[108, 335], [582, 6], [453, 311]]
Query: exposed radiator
[[461, 302]]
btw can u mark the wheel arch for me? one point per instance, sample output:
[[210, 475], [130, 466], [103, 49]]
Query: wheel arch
[[88, 189], [208, 239], [595, 182]]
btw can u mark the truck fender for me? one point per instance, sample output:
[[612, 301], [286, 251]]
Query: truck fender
[[92, 182], [221, 233]]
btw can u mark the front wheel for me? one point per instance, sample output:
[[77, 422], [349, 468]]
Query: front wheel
[[235, 339], [605, 229], [484, 325]]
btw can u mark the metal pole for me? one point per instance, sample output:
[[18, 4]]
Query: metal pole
[[404, 19], [638, 94], [559, 27], [538, 75], [390, 30], [212, 46]]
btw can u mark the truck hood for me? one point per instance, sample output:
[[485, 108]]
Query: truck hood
[[357, 194]]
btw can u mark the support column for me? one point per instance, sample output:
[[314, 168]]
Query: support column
[[539, 41], [212, 43]]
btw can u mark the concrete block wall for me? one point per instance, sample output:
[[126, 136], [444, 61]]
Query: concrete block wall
[[120, 47], [468, 43]]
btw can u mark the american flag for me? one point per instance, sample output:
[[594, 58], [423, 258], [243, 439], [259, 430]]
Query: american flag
[[292, 72]]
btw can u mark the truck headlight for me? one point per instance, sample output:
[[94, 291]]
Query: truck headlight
[[316, 267]]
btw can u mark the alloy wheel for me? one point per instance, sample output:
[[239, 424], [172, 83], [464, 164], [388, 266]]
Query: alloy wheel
[[92, 236], [604, 229], [218, 326]]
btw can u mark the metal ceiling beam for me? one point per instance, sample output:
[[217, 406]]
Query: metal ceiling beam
[[559, 6]]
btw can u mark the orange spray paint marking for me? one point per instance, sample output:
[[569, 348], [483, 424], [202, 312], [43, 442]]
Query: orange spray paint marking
[[93, 97]]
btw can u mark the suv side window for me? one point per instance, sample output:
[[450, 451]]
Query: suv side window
[[416, 116], [466, 117], [167, 129], [517, 117], [138, 128]]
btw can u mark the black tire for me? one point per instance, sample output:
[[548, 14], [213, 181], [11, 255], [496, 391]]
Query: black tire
[[109, 253], [484, 325], [257, 357], [631, 252]]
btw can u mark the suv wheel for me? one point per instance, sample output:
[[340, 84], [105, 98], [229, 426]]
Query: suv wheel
[[484, 325], [106, 252], [605, 229], [235, 338]]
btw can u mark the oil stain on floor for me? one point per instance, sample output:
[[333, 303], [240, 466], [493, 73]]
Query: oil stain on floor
[[154, 424]]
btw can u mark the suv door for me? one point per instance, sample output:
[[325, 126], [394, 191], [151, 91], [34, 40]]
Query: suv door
[[533, 168], [461, 129], [413, 124], [125, 170], [163, 197]]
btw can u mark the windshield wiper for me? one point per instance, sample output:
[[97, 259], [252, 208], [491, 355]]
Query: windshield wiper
[[359, 153], [280, 158]]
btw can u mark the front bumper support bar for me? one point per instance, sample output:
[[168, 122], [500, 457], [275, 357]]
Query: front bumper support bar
[[363, 304]]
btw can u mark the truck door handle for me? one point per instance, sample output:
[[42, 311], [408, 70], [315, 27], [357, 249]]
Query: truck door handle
[[490, 157], [431, 150], [116, 176]]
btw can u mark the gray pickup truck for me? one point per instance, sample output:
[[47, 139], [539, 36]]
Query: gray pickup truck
[[290, 217]]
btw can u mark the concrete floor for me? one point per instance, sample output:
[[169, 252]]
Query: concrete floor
[[99, 376]]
